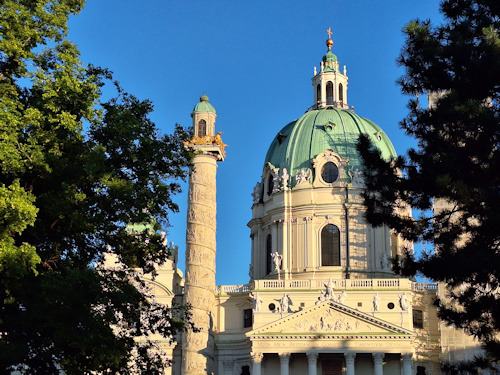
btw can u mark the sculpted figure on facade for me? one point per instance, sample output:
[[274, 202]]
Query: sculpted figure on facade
[[321, 297], [257, 192], [275, 172], [330, 285], [302, 176], [376, 302], [342, 296], [285, 303], [284, 179], [384, 261], [403, 301], [257, 301], [356, 177], [277, 258]]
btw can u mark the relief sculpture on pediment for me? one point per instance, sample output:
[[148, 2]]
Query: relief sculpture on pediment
[[330, 321]]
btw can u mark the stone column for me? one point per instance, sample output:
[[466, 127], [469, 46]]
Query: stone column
[[349, 363], [284, 362], [378, 363], [256, 363], [407, 363], [312, 363], [198, 347]]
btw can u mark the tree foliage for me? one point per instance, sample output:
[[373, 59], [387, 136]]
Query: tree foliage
[[73, 172], [453, 177]]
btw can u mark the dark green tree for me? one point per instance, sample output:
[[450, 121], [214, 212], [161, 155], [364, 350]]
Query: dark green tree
[[453, 177], [73, 172]]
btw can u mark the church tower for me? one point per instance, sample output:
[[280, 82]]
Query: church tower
[[198, 347]]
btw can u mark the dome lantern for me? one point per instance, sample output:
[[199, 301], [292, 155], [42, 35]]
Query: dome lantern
[[330, 86], [204, 116]]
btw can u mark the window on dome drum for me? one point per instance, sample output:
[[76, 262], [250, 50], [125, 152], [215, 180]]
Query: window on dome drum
[[329, 93], [202, 128], [269, 250], [318, 93], [330, 246], [329, 172], [418, 319], [341, 93], [270, 185]]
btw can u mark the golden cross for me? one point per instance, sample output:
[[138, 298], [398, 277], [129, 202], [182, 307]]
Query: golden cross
[[329, 32]]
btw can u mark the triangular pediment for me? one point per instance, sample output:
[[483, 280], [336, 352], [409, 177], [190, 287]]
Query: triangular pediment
[[330, 319]]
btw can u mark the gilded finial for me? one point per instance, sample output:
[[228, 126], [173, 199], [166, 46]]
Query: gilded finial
[[329, 41]]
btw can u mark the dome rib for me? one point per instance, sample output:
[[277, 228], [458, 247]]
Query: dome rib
[[322, 129]]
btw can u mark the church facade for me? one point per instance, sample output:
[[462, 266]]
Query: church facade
[[323, 299]]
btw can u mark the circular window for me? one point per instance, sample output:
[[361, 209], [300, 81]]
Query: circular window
[[330, 172], [390, 305], [270, 185]]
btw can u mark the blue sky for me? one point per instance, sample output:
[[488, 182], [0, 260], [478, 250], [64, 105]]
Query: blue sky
[[255, 60]]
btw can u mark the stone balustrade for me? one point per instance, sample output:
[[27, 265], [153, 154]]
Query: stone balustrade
[[359, 284]]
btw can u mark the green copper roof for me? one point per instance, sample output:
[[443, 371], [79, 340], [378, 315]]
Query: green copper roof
[[319, 130], [329, 60], [204, 105]]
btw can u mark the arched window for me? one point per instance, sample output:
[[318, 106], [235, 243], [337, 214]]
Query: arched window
[[202, 128], [330, 246], [270, 185], [329, 93], [269, 250], [341, 93], [318, 94]]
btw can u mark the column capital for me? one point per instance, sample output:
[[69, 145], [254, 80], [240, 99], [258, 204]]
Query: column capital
[[378, 357], [284, 357], [407, 357], [312, 357], [349, 357], [257, 357]]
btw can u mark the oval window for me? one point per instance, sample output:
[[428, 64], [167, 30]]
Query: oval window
[[330, 172]]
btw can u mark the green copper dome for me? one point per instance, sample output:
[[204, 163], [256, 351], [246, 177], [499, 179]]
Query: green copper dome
[[204, 105], [316, 131]]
